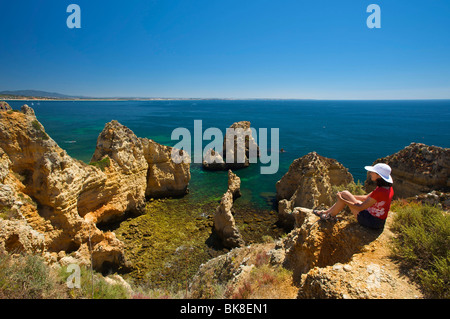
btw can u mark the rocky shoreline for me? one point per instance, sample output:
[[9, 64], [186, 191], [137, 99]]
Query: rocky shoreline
[[63, 199], [66, 211]]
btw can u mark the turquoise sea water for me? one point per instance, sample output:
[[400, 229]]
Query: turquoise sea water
[[353, 132]]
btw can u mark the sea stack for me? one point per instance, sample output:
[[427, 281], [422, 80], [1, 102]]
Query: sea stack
[[224, 223], [239, 147]]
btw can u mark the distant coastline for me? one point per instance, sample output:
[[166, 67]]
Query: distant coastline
[[34, 95], [45, 98], [7, 97], [34, 98], [93, 99]]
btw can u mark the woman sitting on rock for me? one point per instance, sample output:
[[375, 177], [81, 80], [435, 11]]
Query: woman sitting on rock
[[370, 210]]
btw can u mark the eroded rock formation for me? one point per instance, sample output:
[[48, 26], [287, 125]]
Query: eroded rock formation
[[224, 223], [125, 168], [343, 260], [308, 183], [60, 200], [239, 146], [4, 106], [418, 169], [165, 177], [234, 184], [340, 260]]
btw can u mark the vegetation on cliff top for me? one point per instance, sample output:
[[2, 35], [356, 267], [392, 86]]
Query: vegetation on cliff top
[[28, 277], [102, 164], [422, 245]]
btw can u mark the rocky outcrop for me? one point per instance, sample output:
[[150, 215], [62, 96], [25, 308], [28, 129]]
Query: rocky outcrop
[[243, 149], [234, 184], [164, 176], [418, 169], [119, 155], [4, 106], [339, 260], [213, 161], [343, 260], [232, 276], [435, 198], [18, 236], [60, 200], [224, 223], [317, 244], [308, 183], [54, 193]]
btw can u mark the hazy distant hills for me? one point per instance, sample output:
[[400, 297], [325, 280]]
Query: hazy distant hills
[[36, 93]]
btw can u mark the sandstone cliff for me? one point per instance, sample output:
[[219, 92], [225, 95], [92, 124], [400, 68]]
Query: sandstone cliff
[[308, 183], [126, 182], [165, 177], [418, 169], [4, 106], [327, 259], [49, 184], [341, 260], [60, 200]]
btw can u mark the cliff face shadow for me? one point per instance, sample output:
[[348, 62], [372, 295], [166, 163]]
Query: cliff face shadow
[[339, 244], [322, 243]]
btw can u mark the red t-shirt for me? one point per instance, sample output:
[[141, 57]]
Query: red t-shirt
[[383, 196]]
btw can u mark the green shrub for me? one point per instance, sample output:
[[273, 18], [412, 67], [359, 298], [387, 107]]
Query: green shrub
[[422, 244], [7, 213], [102, 164], [93, 285], [28, 277], [354, 188], [38, 127]]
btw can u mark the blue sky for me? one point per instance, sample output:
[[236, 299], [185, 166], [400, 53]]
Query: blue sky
[[228, 49]]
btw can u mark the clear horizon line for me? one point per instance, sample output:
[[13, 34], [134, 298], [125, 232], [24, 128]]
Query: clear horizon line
[[70, 98], [48, 95]]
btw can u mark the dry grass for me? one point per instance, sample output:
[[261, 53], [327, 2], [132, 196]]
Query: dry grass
[[272, 283], [266, 281]]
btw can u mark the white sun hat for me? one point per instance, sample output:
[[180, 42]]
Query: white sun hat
[[381, 169]]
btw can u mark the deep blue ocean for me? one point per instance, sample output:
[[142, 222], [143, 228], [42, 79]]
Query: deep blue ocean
[[355, 133]]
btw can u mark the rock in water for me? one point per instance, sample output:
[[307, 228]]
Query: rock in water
[[224, 223], [165, 177], [239, 147], [234, 184], [213, 161]]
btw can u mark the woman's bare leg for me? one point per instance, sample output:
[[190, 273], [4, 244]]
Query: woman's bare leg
[[340, 204]]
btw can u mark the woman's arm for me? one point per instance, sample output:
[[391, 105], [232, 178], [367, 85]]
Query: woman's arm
[[366, 202], [357, 197], [361, 197]]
